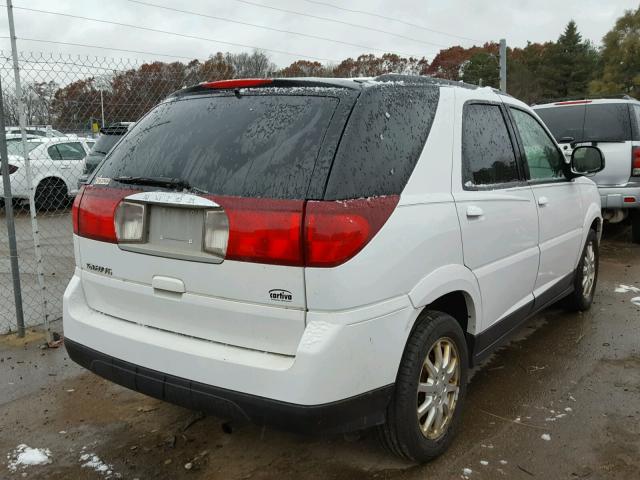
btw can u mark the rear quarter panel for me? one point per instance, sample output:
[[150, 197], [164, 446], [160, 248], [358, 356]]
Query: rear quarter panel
[[421, 236]]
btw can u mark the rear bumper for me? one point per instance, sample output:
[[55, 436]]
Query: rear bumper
[[354, 413], [614, 197], [344, 360]]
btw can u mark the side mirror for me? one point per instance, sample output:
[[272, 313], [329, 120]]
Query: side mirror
[[586, 160]]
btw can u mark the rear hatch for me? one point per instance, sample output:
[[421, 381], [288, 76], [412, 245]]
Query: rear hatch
[[193, 222], [607, 124]]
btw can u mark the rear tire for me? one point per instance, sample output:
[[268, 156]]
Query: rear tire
[[635, 225], [51, 194], [586, 277], [425, 411]]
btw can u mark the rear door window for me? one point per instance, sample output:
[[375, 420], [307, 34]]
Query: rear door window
[[382, 141], [252, 145], [488, 157]]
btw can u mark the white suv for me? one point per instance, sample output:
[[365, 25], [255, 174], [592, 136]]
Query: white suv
[[326, 255], [613, 124]]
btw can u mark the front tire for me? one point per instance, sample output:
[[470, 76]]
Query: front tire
[[425, 411], [586, 278]]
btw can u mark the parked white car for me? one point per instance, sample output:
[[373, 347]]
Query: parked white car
[[35, 130], [327, 255], [56, 164], [613, 124]]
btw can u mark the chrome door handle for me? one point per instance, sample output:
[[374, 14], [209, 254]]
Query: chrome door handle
[[542, 201], [473, 211]]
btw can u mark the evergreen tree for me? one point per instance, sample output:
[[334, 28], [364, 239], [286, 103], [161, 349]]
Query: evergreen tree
[[482, 68], [569, 66], [621, 58]]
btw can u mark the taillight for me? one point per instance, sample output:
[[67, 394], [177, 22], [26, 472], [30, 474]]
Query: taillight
[[130, 221], [12, 169], [635, 162], [96, 210], [336, 231], [216, 232], [278, 232], [237, 83], [75, 210], [264, 230]]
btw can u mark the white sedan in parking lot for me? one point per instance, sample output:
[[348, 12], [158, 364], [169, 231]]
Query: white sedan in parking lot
[[56, 164]]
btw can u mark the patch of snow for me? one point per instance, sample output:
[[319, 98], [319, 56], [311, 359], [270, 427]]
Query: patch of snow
[[467, 471], [92, 461], [626, 289], [561, 415], [568, 409], [546, 437], [636, 301], [550, 419], [24, 456], [503, 462], [484, 462]]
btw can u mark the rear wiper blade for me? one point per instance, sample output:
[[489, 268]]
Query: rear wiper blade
[[167, 182]]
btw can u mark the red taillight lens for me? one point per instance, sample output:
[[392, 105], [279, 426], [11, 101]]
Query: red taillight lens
[[635, 162], [278, 232], [336, 231], [237, 83], [96, 210], [12, 169], [75, 210], [264, 230]]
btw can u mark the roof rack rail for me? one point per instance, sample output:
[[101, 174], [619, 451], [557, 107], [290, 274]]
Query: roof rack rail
[[426, 79], [614, 96]]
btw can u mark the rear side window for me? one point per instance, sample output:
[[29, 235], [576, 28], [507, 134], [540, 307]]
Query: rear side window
[[382, 141], [636, 117], [488, 157], [69, 151], [589, 122], [253, 146], [607, 122]]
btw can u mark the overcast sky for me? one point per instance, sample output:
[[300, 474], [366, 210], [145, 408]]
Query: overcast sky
[[516, 20]]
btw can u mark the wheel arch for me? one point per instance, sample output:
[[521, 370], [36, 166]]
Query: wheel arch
[[452, 289]]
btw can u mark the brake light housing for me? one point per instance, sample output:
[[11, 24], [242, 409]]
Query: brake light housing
[[635, 162], [94, 212], [237, 83], [336, 231], [12, 169], [320, 234]]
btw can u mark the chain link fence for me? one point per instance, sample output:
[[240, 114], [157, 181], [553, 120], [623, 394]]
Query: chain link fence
[[75, 109]]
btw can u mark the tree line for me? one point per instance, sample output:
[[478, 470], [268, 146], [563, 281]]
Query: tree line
[[566, 68]]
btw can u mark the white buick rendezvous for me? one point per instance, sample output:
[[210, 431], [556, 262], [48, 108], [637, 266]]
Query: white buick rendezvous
[[325, 254]]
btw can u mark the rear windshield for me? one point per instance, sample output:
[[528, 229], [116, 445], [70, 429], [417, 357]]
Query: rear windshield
[[253, 145], [105, 143], [589, 122]]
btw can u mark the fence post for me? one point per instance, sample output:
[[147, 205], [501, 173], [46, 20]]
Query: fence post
[[11, 228], [503, 65], [27, 163]]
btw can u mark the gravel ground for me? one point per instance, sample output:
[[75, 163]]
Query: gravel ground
[[561, 400]]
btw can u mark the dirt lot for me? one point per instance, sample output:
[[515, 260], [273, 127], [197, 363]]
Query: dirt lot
[[575, 377]]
